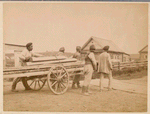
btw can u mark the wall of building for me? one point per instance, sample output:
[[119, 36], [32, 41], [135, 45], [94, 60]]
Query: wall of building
[[143, 56], [11, 49], [126, 58], [116, 56]]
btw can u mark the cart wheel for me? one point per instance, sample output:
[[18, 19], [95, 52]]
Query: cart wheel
[[58, 80], [34, 83]]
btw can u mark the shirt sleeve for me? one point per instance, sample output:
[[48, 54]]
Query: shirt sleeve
[[109, 61], [22, 55]]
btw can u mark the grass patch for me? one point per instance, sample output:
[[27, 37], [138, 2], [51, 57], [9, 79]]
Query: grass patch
[[133, 75], [126, 74]]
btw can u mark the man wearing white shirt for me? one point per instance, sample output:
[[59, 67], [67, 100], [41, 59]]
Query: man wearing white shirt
[[25, 56], [89, 68]]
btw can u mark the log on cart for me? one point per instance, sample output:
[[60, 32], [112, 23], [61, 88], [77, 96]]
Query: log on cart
[[54, 71]]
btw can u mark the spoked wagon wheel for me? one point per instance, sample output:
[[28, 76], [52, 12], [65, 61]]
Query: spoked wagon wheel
[[58, 80], [34, 83]]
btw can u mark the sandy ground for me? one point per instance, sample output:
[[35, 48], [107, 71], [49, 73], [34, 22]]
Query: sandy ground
[[73, 101]]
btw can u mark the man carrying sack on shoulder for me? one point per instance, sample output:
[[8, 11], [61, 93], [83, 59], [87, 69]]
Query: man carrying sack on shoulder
[[90, 66]]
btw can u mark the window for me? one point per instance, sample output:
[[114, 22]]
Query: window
[[118, 56], [124, 59], [145, 56], [111, 55]]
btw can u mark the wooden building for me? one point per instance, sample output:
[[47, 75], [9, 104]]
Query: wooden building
[[135, 57], [11, 50], [117, 55], [13, 47], [144, 53]]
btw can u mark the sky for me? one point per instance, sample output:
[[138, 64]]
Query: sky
[[53, 25]]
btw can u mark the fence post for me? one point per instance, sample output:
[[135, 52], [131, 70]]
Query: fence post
[[118, 65], [16, 55]]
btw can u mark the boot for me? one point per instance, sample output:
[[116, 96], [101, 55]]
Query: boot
[[78, 85], [73, 85], [84, 89], [15, 81], [13, 89]]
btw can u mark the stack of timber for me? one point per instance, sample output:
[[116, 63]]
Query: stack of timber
[[41, 66], [51, 60]]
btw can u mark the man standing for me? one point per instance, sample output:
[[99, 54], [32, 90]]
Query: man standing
[[76, 79], [25, 56], [105, 67], [90, 66]]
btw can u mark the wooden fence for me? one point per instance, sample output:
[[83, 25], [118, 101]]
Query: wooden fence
[[124, 65]]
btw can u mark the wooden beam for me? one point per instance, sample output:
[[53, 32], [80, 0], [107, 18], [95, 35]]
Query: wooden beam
[[71, 71], [52, 58], [77, 63], [52, 62]]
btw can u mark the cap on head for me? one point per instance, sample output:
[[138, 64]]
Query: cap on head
[[78, 48], [92, 48], [62, 49], [106, 48], [28, 44]]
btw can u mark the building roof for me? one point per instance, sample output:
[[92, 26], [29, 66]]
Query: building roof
[[103, 42], [14, 45], [145, 49]]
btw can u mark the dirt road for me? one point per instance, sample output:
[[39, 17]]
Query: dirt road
[[73, 100]]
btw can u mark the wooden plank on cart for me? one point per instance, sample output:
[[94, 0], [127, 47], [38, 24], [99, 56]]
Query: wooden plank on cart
[[52, 62], [25, 74], [77, 63], [38, 73], [51, 58]]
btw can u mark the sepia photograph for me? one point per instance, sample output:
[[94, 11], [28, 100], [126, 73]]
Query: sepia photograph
[[75, 56]]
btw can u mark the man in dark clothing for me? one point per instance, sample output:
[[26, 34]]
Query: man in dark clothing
[[76, 79]]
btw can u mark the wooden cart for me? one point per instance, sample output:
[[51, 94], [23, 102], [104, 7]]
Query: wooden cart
[[55, 72]]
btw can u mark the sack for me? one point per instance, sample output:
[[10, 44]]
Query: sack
[[94, 67]]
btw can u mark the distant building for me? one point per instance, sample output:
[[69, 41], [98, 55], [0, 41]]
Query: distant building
[[135, 57], [144, 53], [9, 48], [114, 51], [9, 51]]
